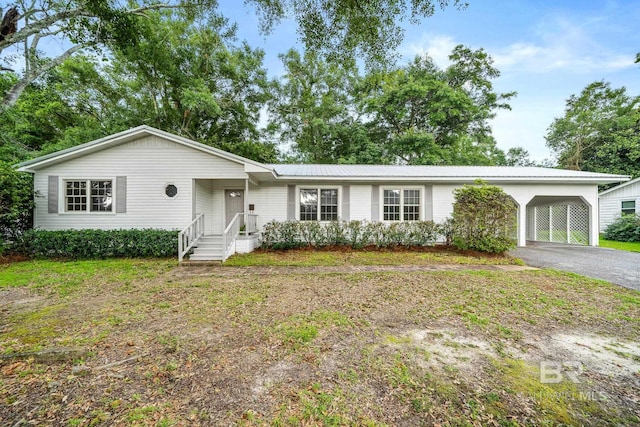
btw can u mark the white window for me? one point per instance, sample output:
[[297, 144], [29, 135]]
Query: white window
[[318, 203], [401, 204], [88, 195], [629, 207]]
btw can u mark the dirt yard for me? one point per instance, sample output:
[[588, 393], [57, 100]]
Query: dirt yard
[[148, 343]]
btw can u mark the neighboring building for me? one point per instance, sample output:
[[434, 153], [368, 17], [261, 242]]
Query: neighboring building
[[617, 201], [147, 178]]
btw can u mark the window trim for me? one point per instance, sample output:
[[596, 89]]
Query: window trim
[[62, 191], [402, 188], [319, 188], [622, 209]]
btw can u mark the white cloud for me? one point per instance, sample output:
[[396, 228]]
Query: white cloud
[[436, 46], [555, 45], [561, 46]]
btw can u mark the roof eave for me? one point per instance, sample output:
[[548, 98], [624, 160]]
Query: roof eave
[[600, 180], [618, 187]]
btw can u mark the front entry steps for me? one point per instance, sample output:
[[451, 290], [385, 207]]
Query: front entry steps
[[208, 248]]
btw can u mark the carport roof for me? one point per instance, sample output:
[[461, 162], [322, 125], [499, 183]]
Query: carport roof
[[441, 173]]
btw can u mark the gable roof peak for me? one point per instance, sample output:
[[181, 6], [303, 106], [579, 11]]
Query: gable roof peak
[[127, 136]]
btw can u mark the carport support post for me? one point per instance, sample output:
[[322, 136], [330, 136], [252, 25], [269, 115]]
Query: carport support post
[[594, 238], [551, 223], [522, 224], [568, 223]]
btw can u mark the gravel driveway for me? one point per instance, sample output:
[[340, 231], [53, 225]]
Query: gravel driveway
[[619, 267]]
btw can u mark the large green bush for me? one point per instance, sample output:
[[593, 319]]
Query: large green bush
[[484, 219], [91, 244], [16, 204], [357, 234], [624, 229]]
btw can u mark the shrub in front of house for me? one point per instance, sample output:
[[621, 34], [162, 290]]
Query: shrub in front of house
[[484, 219], [16, 205], [279, 235], [624, 229], [96, 244]]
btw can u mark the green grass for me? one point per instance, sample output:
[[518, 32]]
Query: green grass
[[293, 349], [306, 258], [66, 277], [301, 329], [560, 236], [621, 246]]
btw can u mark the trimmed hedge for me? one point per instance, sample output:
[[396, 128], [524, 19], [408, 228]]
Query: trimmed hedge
[[357, 234], [624, 229], [92, 244]]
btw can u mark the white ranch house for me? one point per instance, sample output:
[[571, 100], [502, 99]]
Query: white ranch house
[[623, 199], [147, 178]]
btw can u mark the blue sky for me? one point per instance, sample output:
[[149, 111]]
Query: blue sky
[[546, 51]]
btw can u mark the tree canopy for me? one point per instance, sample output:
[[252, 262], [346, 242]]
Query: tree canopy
[[313, 112], [178, 66], [429, 115], [74, 25], [346, 29], [600, 131], [185, 75], [411, 114], [368, 29]]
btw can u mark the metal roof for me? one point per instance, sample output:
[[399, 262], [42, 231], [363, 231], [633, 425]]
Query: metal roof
[[309, 172], [426, 172], [618, 187]]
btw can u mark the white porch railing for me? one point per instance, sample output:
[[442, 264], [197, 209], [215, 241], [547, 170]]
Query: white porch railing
[[190, 236], [241, 223], [250, 224], [230, 235]]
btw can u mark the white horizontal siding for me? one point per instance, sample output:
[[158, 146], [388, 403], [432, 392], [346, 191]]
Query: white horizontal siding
[[442, 201], [204, 203], [611, 203], [610, 210], [631, 191], [360, 203], [270, 202], [149, 164]]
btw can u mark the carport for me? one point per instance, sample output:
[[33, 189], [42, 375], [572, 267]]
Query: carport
[[565, 213], [560, 219]]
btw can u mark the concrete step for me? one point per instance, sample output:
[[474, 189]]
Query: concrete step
[[209, 248], [195, 257], [210, 240]]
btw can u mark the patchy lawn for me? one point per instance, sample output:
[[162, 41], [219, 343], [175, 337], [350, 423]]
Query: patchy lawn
[[346, 256], [622, 246], [151, 344]]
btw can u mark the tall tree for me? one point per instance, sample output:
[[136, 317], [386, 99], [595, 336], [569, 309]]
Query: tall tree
[[433, 116], [518, 156], [600, 131], [346, 29], [75, 25], [40, 116], [351, 27], [313, 112], [187, 76]]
